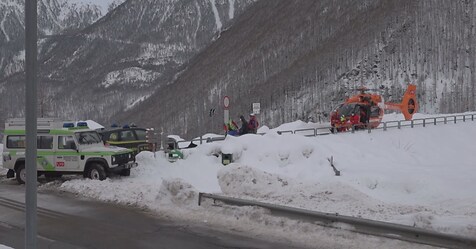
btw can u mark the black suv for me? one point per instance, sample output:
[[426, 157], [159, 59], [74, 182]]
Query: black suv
[[133, 138]]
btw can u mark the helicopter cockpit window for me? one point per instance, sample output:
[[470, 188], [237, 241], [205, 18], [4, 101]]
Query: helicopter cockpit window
[[347, 110], [374, 111]]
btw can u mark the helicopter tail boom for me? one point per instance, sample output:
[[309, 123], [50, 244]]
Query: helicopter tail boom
[[409, 104]]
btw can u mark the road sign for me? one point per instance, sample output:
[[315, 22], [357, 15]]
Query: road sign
[[256, 108], [226, 102]]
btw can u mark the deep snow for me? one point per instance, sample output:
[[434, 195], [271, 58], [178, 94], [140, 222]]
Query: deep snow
[[421, 177]]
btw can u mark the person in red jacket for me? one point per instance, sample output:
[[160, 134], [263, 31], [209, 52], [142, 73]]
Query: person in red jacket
[[335, 119], [355, 121], [253, 124]]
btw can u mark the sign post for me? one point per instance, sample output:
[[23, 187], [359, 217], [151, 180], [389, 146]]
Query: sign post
[[226, 114], [151, 139]]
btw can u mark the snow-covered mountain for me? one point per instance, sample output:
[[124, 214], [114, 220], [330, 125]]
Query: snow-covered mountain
[[167, 63], [54, 17], [123, 57], [299, 58], [104, 5]]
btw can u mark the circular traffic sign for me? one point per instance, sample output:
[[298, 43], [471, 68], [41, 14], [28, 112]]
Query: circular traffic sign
[[226, 101]]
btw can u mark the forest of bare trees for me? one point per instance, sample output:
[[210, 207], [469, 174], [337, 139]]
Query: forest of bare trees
[[300, 59]]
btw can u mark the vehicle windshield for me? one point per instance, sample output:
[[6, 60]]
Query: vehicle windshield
[[88, 137]]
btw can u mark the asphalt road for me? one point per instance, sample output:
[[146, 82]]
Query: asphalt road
[[66, 221]]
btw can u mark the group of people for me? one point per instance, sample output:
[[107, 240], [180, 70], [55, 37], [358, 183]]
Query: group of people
[[341, 123], [246, 127]]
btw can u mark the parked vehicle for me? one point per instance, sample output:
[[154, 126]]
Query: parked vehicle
[[131, 137], [63, 148]]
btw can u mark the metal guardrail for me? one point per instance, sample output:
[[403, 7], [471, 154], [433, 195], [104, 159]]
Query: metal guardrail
[[360, 225], [388, 125], [320, 131]]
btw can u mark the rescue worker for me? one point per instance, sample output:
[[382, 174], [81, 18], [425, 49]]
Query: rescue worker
[[231, 128], [343, 123], [364, 118], [334, 121], [244, 126], [355, 121]]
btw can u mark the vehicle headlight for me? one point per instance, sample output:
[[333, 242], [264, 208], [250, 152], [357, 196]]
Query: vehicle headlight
[[113, 160]]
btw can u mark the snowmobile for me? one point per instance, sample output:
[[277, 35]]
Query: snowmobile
[[370, 107]]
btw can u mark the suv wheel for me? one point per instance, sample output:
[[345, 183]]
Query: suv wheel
[[20, 173], [96, 172]]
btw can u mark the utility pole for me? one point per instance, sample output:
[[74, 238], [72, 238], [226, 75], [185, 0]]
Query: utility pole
[[31, 68]]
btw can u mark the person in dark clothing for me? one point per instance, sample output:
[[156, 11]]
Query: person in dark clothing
[[364, 115], [244, 125]]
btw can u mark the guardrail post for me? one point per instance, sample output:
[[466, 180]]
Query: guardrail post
[[472, 117], [370, 128], [434, 121], [399, 125], [353, 129], [315, 132], [411, 123], [455, 119], [445, 120], [384, 126], [464, 118], [424, 121]]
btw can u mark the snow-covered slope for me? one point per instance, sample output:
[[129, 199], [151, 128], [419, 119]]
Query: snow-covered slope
[[165, 64], [54, 17], [122, 58], [420, 177], [301, 58], [104, 5]]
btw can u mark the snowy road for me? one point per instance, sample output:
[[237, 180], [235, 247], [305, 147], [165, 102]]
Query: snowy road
[[65, 221]]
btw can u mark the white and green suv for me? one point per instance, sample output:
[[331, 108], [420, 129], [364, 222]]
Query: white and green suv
[[63, 148]]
